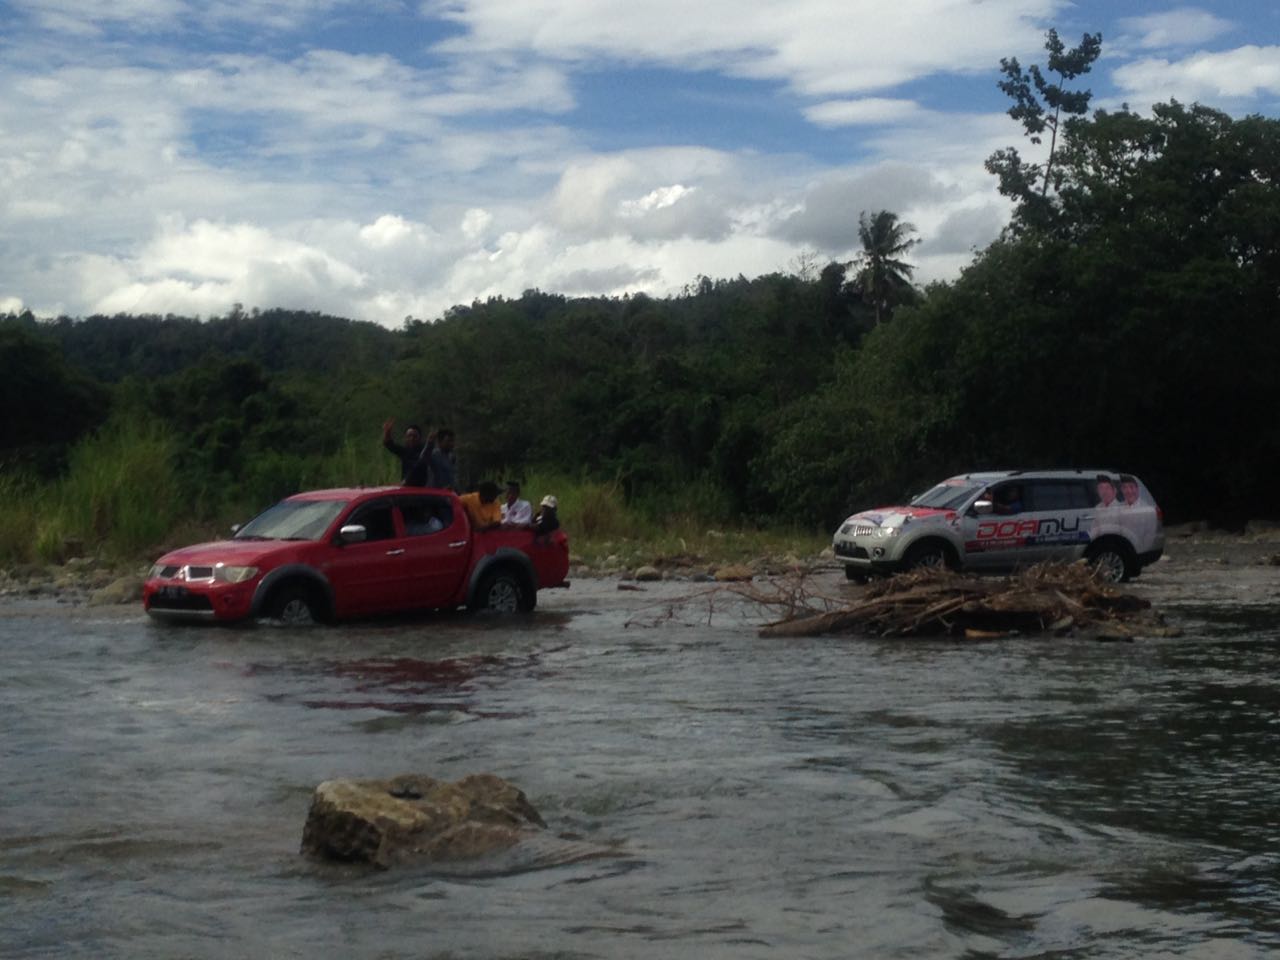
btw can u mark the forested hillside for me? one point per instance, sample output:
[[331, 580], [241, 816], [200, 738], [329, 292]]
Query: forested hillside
[[1131, 319]]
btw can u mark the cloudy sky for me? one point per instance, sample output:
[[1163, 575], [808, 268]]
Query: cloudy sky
[[391, 158]]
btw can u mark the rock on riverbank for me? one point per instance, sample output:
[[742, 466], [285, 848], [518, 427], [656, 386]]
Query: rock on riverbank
[[80, 580]]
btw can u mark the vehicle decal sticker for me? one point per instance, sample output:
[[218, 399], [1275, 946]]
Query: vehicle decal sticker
[[1010, 534]]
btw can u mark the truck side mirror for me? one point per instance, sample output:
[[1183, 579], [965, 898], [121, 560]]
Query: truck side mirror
[[353, 533], [982, 507]]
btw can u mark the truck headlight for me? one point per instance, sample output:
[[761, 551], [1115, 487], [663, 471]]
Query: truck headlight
[[234, 574]]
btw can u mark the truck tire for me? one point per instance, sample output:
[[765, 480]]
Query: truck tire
[[294, 605], [504, 590]]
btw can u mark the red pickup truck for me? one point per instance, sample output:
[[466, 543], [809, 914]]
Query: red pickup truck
[[337, 554]]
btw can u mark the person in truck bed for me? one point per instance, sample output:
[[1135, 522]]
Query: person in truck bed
[[482, 506], [409, 453], [546, 522], [516, 513]]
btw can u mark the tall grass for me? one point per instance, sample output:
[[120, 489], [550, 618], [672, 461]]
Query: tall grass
[[126, 493], [20, 510], [690, 522], [119, 496]]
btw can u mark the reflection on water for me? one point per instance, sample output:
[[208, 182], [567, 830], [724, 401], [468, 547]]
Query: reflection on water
[[813, 797]]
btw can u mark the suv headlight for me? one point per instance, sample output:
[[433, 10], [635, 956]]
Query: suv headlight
[[887, 532], [234, 574]]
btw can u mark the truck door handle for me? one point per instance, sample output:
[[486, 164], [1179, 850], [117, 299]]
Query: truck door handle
[[395, 553], [456, 544]]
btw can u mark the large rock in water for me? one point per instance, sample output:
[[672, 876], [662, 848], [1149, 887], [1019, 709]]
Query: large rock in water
[[414, 818]]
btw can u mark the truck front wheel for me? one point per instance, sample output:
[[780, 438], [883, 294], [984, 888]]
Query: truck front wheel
[[294, 605]]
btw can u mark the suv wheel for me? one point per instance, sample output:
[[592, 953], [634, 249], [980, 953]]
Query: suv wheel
[[929, 554], [294, 606], [1113, 561], [505, 591]]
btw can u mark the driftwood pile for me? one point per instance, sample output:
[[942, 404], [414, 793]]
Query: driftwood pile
[[1056, 599]]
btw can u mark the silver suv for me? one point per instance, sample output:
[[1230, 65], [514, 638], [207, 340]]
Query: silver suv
[[1002, 520]]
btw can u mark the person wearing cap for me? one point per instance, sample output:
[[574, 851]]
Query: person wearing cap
[[546, 521], [516, 513]]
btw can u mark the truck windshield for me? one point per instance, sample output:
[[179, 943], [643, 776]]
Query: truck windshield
[[292, 520], [947, 496]]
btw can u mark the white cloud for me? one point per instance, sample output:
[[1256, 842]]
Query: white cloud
[[88, 17], [376, 186], [1183, 27], [658, 199], [331, 90], [648, 193], [1204, 77], [92, 17], [867, 110], [475, 222], [820, 47], [199, 266], [387, 230]]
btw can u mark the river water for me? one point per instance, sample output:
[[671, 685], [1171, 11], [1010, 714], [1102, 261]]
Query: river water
[[768, 798]]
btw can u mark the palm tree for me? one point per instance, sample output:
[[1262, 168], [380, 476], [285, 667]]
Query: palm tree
[[885, 279]]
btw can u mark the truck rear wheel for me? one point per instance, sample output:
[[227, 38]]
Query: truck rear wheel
[[505, 591]]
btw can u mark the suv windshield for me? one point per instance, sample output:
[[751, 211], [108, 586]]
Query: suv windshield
[[947, 496], [292, 520]]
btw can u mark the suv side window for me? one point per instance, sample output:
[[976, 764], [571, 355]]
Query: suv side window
[[425, 515], [1007, 499], [377, 520], [1060, 495]]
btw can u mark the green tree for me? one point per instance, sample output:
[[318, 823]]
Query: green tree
[[1040, 105], [48, 403], [883, 276]]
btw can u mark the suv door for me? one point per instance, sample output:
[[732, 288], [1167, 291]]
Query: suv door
[[1063, 511], [1004, 538]]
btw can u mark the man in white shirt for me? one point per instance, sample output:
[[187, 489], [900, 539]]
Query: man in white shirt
[[516, 512]]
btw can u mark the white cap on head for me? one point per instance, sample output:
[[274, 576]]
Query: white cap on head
[[549, 501]]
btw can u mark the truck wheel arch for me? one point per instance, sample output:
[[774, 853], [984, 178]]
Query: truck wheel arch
[[292, 574], [503, 560]]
